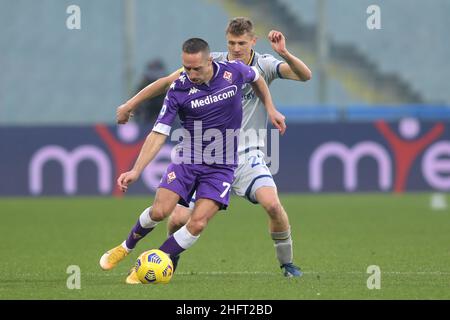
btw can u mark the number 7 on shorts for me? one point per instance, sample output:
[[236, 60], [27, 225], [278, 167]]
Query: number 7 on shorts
[[227, 187]]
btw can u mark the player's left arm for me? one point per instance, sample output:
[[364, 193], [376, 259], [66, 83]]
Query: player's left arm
[[294, 68], [262, 91], [251, 75]]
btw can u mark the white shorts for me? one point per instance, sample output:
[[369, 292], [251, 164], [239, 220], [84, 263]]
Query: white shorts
[[251, 174]]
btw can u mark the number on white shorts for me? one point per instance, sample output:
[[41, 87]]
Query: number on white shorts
[[227, 187]]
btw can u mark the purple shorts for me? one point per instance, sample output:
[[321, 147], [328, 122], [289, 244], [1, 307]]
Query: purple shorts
[[210, 181]]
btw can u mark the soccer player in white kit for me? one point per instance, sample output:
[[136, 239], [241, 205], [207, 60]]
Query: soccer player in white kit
[[253, 179]]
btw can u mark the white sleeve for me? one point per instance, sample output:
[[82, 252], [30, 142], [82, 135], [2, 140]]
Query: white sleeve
[[256, 73], [270, 67], [162, 128]]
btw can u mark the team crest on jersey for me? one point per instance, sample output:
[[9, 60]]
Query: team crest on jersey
[[193, 90], [171, 176], [228, 76]]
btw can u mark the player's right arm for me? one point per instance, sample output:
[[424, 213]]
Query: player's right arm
[[153, 143], [154, 89]]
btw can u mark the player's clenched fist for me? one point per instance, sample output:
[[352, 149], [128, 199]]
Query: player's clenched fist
[[126, 179], [123, 114], [277, 40]]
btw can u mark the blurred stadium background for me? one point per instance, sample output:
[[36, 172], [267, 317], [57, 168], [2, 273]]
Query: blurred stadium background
[[78, 76], [374, 117]]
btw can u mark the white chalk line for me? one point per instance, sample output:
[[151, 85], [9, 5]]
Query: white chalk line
[[257, 273]]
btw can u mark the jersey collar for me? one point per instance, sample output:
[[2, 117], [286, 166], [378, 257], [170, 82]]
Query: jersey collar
[[250, 61], [252, 57]]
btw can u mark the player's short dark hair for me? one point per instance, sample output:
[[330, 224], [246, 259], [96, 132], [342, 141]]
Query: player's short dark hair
[[195, 45], [239, 26]]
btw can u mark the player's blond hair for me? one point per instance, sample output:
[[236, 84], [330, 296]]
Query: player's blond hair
[[240, 26]]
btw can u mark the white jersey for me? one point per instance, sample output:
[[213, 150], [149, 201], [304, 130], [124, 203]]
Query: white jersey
[[254, 113]]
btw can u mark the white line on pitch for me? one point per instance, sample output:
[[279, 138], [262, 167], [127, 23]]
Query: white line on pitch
[[212, 273]]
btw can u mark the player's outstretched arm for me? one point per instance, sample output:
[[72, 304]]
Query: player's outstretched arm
[[294, 68], [154, 89], [153, 143], [262, 91]]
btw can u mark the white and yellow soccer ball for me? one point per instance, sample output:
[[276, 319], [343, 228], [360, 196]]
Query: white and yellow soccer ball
[[154, 266]]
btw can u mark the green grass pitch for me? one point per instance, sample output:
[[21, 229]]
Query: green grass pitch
[[336, 238]]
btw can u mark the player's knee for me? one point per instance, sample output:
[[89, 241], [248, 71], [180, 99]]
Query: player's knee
[[158, 213], [274, 209], [196, 226]]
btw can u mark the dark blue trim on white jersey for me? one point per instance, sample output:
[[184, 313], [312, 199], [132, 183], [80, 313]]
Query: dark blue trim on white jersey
[[250, 149], [249, 189], [278, 70]]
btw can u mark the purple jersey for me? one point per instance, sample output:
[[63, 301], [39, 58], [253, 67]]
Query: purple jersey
[[211, 114]]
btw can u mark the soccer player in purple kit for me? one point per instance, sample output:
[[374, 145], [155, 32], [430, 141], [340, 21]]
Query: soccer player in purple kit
[[209, 94], [253, 178]]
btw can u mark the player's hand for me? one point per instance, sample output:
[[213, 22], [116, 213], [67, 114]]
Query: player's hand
[[277, 40], [278, 121], [123, 113], [126, 179]]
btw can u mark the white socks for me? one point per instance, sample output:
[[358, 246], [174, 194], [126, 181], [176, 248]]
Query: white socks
[[283, 246], [184, 238], [145, 220]]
